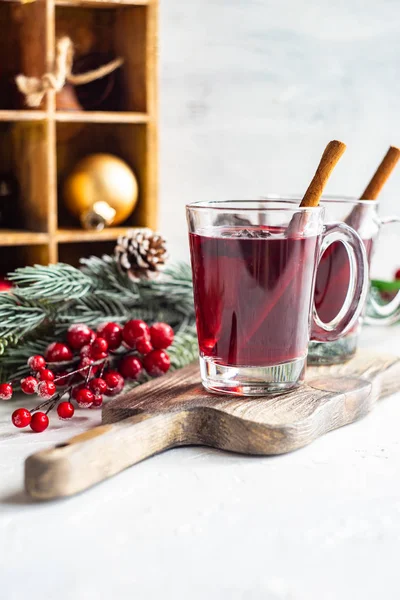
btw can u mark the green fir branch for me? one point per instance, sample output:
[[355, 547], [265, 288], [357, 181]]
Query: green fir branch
[[92, 310], [18, 318], [56, 282], [184, 349], [106, 276], [175, 289]]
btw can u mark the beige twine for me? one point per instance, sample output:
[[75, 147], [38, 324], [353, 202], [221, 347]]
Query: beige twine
[[35, 88]]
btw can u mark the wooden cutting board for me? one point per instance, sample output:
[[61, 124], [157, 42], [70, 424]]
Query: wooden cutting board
[[176, 411]]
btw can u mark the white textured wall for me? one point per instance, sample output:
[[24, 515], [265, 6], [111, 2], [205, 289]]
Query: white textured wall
[[251, 91]]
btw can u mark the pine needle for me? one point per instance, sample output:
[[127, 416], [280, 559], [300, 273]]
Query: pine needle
[[17, 319], [56, 282]]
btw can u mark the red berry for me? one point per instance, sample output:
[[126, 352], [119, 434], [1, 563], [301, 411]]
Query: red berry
[[45, 375], [5, 286], [112, 379], [99, 348], [85, 363], [79, 335], [112, 332], [46, 389], [133, 331], [130, 367], [115, 383], [84, 397], [156, 363], [21, 417], [143, 346], [76, 389], [98, 385], [39, 422], [98, 401], [397, 274], [6, 391], [162, 335], [86, 351], [58, 352], [36, 362], [29, 385], [115, 391], [65, 410]]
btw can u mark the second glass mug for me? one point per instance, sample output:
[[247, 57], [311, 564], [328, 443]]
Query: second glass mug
[[333, 276], [254, 266]]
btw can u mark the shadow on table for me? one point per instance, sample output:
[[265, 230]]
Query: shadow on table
[[22, 498], [17, 499]]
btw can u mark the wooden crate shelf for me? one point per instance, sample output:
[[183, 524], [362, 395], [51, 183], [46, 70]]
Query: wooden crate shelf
[[23, 115], [101, 117], [40, 146], [15, 237], [77, 235], [102, 3]]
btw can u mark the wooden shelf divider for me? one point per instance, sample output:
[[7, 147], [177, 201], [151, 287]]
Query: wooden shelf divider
[[77, 235], [15, 237], [41, 145], [22, 115], [100, 117], [102, 3]]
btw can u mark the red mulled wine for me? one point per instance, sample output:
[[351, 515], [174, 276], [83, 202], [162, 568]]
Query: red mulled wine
[[253, 290], [333, 279]]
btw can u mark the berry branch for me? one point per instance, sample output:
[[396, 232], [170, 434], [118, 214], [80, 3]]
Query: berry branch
[[88, 366], [45, 301]]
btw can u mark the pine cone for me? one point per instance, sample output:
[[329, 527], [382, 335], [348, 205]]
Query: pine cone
[[141, 253]]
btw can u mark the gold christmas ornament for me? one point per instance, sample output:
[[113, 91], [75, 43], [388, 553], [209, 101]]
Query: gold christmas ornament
[[101, 191]]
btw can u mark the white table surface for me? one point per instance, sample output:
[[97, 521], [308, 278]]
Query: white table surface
[[321, 523]]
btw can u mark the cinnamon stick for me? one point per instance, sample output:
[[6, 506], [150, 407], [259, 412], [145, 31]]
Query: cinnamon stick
[[359, 212], [382, 174], [328, 162]]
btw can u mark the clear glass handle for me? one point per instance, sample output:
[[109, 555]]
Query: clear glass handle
[[358, 285], [388, 313]]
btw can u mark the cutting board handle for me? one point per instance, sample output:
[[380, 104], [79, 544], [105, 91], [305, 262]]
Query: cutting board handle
[[99, 453]]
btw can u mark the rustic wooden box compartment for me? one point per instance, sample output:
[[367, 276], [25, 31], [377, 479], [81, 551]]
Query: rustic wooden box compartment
[[127, 141], [71, 252], [118, 31], [22, 47], [40, 146], [23, 153]]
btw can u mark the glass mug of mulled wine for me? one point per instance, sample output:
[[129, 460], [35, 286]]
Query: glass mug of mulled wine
[[333, 276], [254, 266]]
